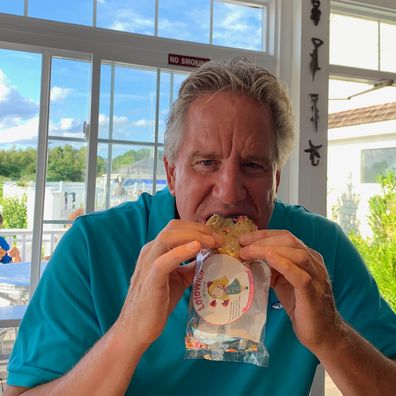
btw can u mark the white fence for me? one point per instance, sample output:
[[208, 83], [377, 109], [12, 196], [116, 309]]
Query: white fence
[[22, 239]]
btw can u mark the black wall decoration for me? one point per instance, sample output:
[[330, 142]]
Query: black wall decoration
[[317, 42], [315, 12], [313, 151], [315, 111]]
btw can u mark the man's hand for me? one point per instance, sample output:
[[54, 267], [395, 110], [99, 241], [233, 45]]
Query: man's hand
[[159, 280], [156, 286], [301, 283]]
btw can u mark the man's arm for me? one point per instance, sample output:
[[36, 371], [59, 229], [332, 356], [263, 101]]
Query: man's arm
[[356, 367], [105, 370], [156, 286], [301, 282]]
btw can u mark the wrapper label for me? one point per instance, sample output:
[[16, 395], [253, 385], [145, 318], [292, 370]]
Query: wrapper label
[[223, 289]]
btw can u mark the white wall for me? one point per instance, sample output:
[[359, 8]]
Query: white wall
[[344, 156]]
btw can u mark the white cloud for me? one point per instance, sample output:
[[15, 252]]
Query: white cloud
[[143, 123], [58, 94], [66, 127], [127, 20], [4, 88], [238, 27], [117, 120], [13, 104], [66, 124], [24, 132]]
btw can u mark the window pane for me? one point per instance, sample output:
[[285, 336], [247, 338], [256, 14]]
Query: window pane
[[388, 45], [125, 172], [126, 15], [127, 103], [20, 74], [170, 84], [184, 20], [377, 162], [69, 107], [353, 42], [161, 174], [238, 26], [12, 7], [71, 11], [67, 157]]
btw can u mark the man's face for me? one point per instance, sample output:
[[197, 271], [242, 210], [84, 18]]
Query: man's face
[[225, 162]]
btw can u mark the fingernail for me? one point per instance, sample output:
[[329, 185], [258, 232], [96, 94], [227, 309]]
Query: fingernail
[[194, 245]]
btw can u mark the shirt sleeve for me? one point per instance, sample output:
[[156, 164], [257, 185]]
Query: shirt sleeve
[[60, 323], [359, 300]]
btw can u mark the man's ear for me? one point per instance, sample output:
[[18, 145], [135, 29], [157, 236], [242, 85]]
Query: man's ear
[[170, 175], [277, 176]]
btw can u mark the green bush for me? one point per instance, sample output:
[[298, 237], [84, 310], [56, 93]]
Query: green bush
[[379, 252], [14, 212]]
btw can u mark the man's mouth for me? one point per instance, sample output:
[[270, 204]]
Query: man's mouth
[[226, 214]]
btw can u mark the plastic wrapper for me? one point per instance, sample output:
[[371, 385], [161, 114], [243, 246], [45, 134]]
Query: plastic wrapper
[[228, 304]]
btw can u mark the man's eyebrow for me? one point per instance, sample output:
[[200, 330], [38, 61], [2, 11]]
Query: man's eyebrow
[[202, 154]]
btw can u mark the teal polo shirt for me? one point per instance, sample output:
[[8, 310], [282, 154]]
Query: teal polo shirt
[[85, 284]]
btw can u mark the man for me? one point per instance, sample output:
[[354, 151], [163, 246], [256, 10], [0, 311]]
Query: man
[[89, 332]]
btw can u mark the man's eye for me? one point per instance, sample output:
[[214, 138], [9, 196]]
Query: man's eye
[[206, 165], [206, 162], [253, 165]]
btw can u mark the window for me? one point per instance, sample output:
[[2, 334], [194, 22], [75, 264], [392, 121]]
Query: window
[[184, 20], [127, 16], [235, 24], [72, 11], [239, 26], [131, 131], [12, 7], [375, 52], [377, 162]]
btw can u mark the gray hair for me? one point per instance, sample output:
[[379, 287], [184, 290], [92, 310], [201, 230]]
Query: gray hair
[[243, 77]]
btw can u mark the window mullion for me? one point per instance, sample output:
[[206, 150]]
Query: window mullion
[[93, 135], [156, 18], [42, 150], [211, 23], [157, 108]]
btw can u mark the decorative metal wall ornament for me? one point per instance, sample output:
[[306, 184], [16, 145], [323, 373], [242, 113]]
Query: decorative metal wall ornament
[[315, 111], [314, 155], [317, 42], [315, 12]]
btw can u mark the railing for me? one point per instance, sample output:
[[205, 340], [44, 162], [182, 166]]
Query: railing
[[22, 239]]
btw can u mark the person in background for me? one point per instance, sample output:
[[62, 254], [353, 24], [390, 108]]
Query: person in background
[[109, 315], [8, 255]]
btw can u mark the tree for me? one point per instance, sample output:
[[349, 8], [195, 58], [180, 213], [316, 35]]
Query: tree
[[66, 163], [379, 251]]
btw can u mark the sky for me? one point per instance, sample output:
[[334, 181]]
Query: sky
[[134, 89]]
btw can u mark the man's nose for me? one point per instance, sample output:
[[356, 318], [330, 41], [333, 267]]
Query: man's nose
[[229, 186]]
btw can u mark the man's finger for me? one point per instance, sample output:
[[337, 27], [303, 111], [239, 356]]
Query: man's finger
[[171, 260]]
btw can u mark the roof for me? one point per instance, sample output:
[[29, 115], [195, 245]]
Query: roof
[[363, 115]]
